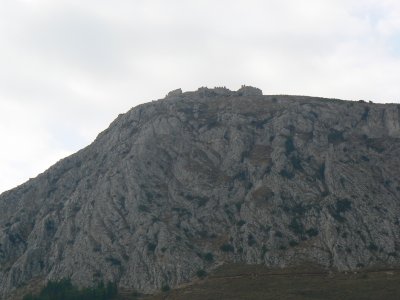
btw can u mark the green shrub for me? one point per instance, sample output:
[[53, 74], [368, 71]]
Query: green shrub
[[321, 172], [296, 227], [312, 232], [114, 261], [151, 247], [285, 173], [165, 288], [201, 273], [298, 209], [373, 247], [342, 206], [264, 250], [335, 136], [365, 114], [296, 162], [209, 257], [49, 225], [240, 223], [251, 240], [238, 205], [227, 248], [289, 145], [364, 158], [143, 208], [375, 144]]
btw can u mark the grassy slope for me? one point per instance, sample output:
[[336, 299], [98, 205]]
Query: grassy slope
[[258, 282]]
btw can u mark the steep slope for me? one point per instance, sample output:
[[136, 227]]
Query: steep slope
[[201, 178]]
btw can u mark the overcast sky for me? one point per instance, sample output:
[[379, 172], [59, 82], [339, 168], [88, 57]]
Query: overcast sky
[[68, 68]]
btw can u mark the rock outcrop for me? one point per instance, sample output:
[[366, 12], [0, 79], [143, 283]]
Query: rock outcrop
[[206, 177]]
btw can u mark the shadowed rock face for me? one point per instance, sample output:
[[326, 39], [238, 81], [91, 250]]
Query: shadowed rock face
[[201, 178]]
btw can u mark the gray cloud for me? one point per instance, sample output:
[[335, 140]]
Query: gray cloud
[[67, 68]]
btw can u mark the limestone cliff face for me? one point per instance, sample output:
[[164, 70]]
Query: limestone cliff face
[[206, 177]]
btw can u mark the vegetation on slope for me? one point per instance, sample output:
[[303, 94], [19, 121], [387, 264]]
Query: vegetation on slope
[[256, 282], [261, 283]]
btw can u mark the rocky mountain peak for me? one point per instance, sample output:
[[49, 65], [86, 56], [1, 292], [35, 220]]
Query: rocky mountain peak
[[207, 177]]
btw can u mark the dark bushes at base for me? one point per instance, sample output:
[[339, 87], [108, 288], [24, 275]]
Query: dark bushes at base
[[64, 290]]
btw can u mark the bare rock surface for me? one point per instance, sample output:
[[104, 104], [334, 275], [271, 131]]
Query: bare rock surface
[[201, 178]]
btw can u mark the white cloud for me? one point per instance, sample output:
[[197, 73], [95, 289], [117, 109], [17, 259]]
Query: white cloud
[[67, 68]]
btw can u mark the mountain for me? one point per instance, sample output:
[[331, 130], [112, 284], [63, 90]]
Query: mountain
[[184, 184]]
